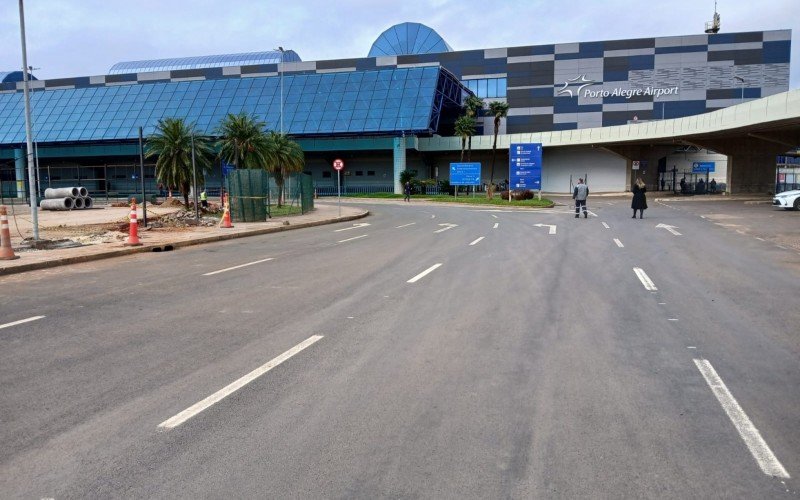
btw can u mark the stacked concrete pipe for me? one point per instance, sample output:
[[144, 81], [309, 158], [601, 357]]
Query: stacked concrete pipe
[[68, 198]]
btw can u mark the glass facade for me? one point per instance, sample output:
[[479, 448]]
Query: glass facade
[[408, 38], [487, 87], [250, 58], [360, 102]]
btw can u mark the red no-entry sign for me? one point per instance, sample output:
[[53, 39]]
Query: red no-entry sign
[[338, 164]]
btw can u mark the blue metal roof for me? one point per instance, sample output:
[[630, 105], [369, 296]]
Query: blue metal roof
[[375, 102], [246, 59], [13, 76], [408, 38]]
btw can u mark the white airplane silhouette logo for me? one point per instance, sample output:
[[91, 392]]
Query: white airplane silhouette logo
[[578, 79]]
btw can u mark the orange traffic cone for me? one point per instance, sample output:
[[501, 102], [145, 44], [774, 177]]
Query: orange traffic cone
[[226, 214], [6, 252], [133, 236]]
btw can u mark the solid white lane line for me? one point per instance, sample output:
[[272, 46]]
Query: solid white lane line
[[424, 273], [493, 215], [496, 225], [672, 319], [238, 267], [405, 225], [235, 386], [476, 241], [752, 438], [26, 320], [606, 226], [354, 238], [619, 243], [646, 281]]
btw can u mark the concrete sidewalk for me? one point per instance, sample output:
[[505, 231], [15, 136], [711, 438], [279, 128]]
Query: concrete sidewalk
[[78, 225]]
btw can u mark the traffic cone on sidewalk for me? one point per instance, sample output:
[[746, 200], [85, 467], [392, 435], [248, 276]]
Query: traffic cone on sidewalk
[[225, 223], [133, 236], [6, 252]]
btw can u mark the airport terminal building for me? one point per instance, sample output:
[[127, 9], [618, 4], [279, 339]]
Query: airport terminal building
[[384, 112]]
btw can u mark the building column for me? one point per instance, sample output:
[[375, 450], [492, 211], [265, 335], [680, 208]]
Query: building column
[[19, 164], [399, 162]]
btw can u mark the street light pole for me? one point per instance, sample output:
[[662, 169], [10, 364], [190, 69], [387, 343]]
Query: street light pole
[[740, 81], [280, 70], [28, 133]]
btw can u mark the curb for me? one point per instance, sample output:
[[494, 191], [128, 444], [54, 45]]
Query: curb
[[119, 252]]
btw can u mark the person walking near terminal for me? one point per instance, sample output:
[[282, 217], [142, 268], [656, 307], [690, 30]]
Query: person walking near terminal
[[639, 201], [407, 192], [579, 194], [204, 198]]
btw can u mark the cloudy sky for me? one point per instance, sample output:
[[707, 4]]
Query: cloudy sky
[[86, 37]]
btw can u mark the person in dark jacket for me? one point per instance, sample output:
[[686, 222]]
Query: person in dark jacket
[[407, 192], [639, 201]]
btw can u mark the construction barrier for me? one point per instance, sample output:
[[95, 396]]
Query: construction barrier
[[6, 252]]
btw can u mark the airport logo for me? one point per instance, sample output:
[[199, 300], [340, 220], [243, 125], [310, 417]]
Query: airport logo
[[578, 80]]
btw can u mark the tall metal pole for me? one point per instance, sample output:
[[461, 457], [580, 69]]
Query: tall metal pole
[[339, 188], [141, 174], [194, 175], [28, 133], [281, 72]]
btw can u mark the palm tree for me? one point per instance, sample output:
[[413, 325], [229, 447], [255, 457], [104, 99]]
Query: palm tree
[[243, 141], [172, 143], [472, 107], [500, 110], [464, 128], [284, 156]]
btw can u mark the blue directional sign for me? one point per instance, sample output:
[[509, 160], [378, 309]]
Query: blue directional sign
[[465, 174], [525, 166], [701, 167]]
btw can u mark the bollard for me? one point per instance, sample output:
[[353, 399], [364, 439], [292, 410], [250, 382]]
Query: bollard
[[133, 236], [6, 252]]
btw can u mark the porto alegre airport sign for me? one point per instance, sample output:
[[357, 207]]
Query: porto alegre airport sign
[[584, 85]]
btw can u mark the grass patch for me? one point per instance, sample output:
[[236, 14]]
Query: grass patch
[[285, 210]]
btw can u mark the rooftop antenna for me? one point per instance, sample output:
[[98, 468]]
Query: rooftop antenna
[[712, 27]]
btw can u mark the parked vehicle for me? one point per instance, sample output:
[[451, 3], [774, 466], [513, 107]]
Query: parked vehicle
[[788, 200]]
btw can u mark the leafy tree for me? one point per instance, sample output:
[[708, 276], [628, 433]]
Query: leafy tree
[[243, 141], [407, 176], [283, 156], [499, 110], [472, 107], [172, 144], [464, 128]]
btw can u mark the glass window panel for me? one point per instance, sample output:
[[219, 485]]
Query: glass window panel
[[501, 87], [482, 88], [491, 90]]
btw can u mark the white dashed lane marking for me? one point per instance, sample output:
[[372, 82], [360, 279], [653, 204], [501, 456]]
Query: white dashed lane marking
[[235, 386], [619, 243], [424, 273], [238, 267], [645, 279], [19, 322], [476, 241]]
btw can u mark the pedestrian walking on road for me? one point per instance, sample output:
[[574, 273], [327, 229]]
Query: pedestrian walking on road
[[639, 201], [407, 192], [579, 194]]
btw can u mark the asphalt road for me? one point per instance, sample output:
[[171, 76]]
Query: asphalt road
[[437, 352]]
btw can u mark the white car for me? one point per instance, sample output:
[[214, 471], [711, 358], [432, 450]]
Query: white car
[[789, 200]]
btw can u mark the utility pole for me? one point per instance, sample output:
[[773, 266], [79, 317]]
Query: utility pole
[[28, 133]]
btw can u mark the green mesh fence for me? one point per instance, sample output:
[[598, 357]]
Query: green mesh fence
[[249, 192]]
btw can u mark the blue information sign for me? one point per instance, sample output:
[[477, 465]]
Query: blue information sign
[[227, 168], [465, 174], [525, 166], [701, 167]]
